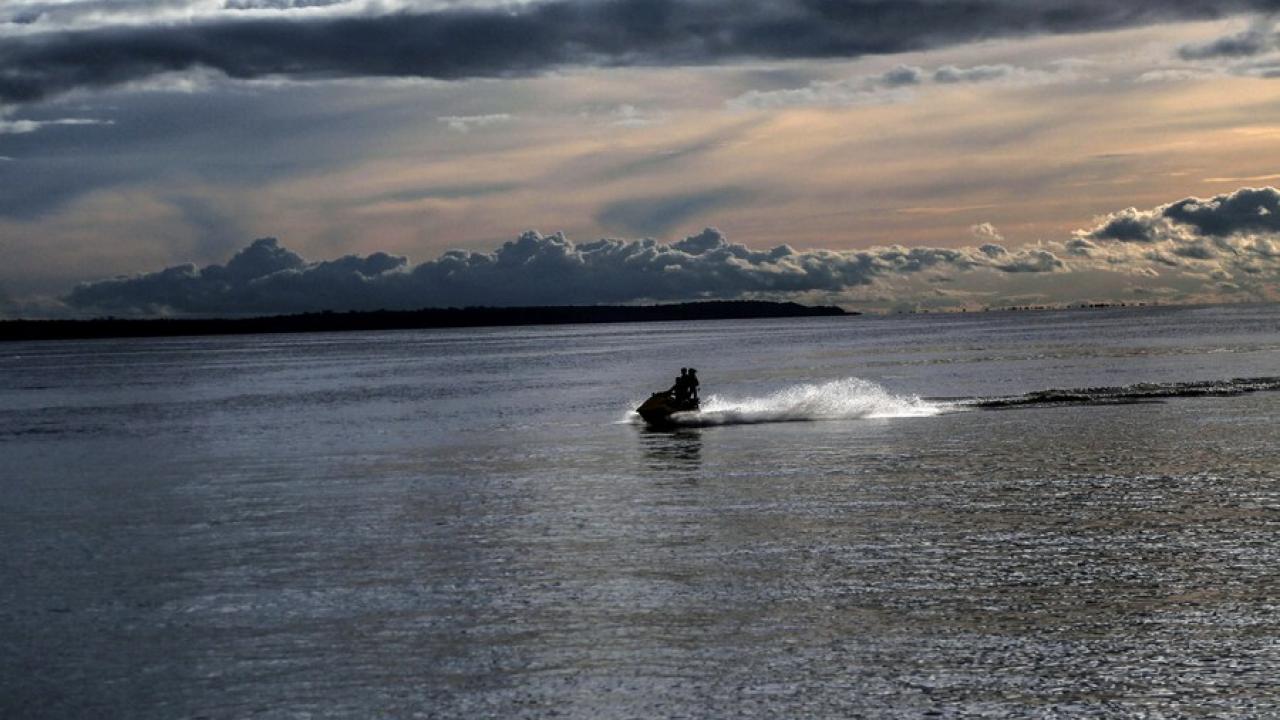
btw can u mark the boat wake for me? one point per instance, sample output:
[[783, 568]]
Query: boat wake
[[847, 399], [854, 399], [1138, 393]]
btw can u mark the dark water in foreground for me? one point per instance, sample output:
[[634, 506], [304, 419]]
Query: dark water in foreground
[[464, 524]]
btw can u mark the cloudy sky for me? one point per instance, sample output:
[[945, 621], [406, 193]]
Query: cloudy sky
[[251, 156]]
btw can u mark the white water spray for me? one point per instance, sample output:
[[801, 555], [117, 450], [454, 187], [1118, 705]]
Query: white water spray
[[847, 399]]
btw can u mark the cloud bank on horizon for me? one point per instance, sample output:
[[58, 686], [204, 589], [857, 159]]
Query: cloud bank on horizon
[[1227, 246]]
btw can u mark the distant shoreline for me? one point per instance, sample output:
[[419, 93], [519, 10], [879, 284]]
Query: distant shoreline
[[428, 318]]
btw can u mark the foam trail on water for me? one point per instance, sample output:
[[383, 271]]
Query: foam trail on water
[[847, 399]]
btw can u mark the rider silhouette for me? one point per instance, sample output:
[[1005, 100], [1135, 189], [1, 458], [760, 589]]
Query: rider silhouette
[[681, 389]]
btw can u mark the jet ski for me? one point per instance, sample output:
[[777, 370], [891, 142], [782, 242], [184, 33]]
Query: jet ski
[[660, 406]]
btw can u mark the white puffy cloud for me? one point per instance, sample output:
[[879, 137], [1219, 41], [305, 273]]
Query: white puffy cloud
[[464, 123], [629, 116], [987, 233], [1224, 245]]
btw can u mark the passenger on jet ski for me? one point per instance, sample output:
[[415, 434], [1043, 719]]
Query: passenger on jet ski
[[685, 391], [680, 391]]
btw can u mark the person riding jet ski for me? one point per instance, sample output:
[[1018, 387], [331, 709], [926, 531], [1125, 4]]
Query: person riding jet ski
[[681, 397]]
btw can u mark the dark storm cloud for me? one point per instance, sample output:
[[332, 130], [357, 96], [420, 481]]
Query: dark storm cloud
[[1259, 38], [263, 277], [1247, 210], [278, 4], [515, 40], [952, 75], [532, 270], [902, 76], [1129, 225]]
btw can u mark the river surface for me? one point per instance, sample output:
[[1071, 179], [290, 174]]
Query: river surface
[[875, 517]]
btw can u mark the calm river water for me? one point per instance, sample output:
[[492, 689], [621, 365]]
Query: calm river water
[[469, 524]]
